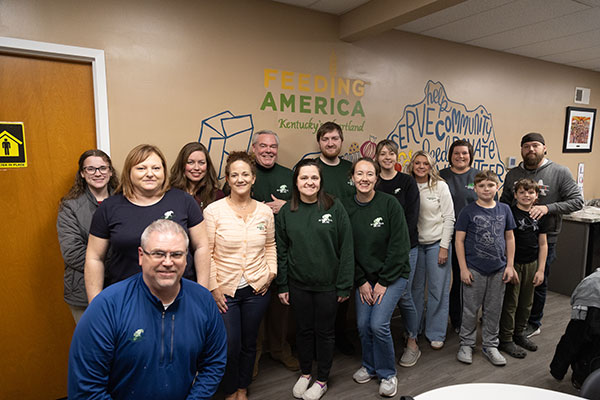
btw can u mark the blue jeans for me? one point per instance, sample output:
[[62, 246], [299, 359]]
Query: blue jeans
[[242, 319], [539, 295], [374, 330], [437, 277], [406, 303]]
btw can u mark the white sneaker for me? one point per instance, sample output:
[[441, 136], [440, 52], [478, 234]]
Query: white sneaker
[[465, 354], [315, 392], [388, 387], [494, 356], [300, 386], [362, 376], [437, 344]]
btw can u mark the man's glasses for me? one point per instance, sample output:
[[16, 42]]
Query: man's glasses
[[92, 170], [158, 255]]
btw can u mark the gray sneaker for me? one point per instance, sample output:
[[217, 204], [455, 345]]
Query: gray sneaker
[[494, 356], [388, 387], [465, 354], [409, 357], [362, 376]]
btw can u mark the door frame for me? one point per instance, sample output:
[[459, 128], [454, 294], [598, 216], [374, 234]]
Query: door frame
[[72, 53]]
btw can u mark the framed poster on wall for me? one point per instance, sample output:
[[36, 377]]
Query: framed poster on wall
[[579, 130]]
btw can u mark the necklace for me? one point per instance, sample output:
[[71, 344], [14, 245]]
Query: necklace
[[240, 206]]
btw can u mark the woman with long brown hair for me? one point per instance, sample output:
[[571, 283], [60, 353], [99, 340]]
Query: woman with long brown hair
[[194, 173], [95, 180]]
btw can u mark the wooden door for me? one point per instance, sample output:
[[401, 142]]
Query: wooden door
[[55, 101]]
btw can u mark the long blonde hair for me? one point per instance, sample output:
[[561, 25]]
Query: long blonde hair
[[434, 175]]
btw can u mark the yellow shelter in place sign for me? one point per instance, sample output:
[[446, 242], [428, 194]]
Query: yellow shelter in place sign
[[12, 140]]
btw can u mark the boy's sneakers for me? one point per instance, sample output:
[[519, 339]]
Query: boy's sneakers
[[512, 349], [525, 343], [531, 331], [315, 392], [409, 357], [465, 354], [494, 356], [388, 387], [301, 386], [362, 376]]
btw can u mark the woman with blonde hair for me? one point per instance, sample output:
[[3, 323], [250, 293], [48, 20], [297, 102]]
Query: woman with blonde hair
[[436, 227], [193, 172], [143, 196], [243, 257], [95, 181]]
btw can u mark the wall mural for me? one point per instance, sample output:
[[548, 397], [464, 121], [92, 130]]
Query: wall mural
[[436, 121], [223, 133], [432, 125]]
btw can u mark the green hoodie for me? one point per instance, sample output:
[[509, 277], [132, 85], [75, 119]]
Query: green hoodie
[[315, 249], [382, 241]]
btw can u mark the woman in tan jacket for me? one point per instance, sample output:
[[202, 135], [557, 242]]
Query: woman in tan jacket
[[241, 236]]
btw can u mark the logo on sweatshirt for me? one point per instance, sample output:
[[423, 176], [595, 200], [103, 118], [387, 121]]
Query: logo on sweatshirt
[[326, 219], [543, 188], [137, 335], [283, 189], [169, 215], [397, 190], [470, 186], [260, 226], [377, 222], [349, 182]]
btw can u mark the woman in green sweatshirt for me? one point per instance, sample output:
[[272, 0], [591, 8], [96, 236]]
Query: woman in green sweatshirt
[[315, 271], [381, 275]]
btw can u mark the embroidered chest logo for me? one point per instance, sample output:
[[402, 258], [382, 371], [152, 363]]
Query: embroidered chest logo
[[137, 335], [470, 186], [261, 226], [397, 190], [377, 222], [543, 188], [349, 182], [283, 189], [326, 219], [169, 215]]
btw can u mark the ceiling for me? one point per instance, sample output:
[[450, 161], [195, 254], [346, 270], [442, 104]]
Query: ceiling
[[561, 31]]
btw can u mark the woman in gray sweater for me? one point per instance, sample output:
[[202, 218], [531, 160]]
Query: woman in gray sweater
[[95, 180]]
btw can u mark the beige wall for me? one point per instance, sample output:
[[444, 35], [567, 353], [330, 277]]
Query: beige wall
[[171, 64]]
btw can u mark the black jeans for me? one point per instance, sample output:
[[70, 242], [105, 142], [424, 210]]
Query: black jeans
[[539, 295], [242, 319], [315, 322]]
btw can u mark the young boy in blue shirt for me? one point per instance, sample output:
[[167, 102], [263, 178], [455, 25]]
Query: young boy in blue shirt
[[531, 249], [485, 248]]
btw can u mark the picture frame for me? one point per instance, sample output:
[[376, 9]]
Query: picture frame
[[579, 130]]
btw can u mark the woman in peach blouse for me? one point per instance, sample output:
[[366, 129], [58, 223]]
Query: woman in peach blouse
[[241, 236]]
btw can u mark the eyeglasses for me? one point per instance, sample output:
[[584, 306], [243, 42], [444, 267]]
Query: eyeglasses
[[92, 170], [159, 255]]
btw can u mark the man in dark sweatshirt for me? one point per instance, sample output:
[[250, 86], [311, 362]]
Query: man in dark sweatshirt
[[559, 194]]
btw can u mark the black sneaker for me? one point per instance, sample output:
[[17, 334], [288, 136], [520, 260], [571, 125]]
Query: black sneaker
[[512, 350], [525, 343]]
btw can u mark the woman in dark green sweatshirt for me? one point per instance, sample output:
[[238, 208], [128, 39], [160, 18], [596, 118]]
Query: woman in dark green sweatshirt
[[381, 275], [315, 271]]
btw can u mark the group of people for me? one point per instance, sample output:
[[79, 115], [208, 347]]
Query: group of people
[[307, 239]]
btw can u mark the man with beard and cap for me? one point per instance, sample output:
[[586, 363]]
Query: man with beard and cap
[[336, 182], [559, 194], [273, 186]]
